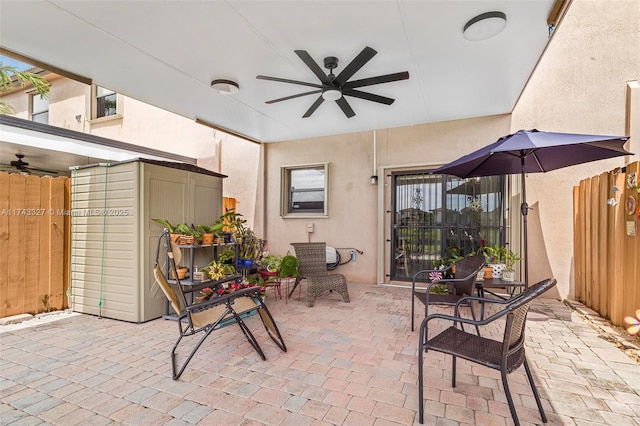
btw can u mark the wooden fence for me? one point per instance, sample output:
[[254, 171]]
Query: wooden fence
[[34, 243], [607, 243]]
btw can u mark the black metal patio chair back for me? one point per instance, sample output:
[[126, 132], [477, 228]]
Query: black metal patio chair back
[[506, 355], [463, 284], [210, 315], [312, 258]]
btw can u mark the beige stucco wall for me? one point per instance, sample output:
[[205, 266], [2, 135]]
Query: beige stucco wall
[[354, 212], [579, 86], [145, 125]]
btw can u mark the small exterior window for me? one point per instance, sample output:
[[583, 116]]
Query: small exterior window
[[39, 109], [106, 102], [304, 190]]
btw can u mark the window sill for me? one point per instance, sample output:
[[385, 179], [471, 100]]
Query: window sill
[[106, 119], [305, 216]]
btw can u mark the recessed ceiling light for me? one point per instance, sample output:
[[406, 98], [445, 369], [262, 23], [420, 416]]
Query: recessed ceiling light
[[484, 26], [225, 87]]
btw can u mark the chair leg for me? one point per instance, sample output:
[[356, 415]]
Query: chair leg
[[345, 295], [421, 343], [413, 300], [252, 340], [536, 395], [507, 392], [453, 371], [176, 375], [311, 296]]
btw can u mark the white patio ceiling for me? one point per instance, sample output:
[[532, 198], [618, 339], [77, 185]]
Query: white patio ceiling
[[167, 53]]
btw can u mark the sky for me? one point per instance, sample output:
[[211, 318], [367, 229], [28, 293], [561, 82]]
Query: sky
[[20, 66]]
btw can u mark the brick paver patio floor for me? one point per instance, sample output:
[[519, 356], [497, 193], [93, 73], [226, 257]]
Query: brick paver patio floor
[[347, 364]]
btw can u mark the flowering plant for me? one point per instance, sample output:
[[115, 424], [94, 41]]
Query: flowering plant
[[226, 288]]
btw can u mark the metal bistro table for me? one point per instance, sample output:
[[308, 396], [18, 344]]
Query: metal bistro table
[[491, 284]]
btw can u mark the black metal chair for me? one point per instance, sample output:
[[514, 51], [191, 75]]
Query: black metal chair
[[463, 284], [210, 315], [506, 355]]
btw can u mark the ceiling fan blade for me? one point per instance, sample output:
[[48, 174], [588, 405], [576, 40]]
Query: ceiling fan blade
[[285, 80], [313, 66], [355, 65], [345, 107], [313, 107], [33, 169], [286, 98], [368, 96], [387, 78]]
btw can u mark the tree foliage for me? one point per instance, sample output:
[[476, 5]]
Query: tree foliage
[[10, 76]]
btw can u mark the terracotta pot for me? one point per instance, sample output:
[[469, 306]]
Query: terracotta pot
[[207, 239], [488, 272], [182, 273]]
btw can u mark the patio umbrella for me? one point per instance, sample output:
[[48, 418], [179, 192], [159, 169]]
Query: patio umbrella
[[532, 151]]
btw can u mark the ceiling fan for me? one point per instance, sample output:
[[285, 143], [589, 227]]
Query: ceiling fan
[[335, 88], [23, 166]]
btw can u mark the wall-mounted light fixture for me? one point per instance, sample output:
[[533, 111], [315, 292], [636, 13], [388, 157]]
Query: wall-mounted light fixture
[[374, 179], [79, 118], [484, 26], [225, 87]]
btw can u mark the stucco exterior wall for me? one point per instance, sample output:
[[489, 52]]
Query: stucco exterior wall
[[353, 202], [145, 125], [579, 86]]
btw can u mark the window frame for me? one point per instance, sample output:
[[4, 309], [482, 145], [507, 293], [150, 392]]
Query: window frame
[[286, 210], [33, 113], [94, 105]]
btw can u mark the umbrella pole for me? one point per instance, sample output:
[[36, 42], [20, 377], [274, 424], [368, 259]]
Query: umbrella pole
[[524, 209]]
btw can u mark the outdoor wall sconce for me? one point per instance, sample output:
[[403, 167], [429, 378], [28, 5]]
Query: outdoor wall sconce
[[374, 179]]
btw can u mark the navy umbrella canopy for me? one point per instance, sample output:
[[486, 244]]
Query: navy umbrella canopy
[[532, 151]]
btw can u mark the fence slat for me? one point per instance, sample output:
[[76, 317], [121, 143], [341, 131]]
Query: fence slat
[[4, 242], [57, 243], [588, 244], [632, 251], [32, 297], [15, 291], [44, 287], [577, 238], [616, 258]]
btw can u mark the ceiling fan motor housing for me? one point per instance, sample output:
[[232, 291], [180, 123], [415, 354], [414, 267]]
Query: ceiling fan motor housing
[[331, 62]]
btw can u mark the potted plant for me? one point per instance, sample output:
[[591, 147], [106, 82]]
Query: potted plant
[[232, 222], [509, 272], [449, 260], [173, 232], [208, 233], [495, 256], [289, 267], [271, 263], [249, 244]]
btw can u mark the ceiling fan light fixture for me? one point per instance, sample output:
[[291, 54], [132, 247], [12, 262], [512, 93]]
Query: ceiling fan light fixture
[[331, 95], [225, 87], [484, 26]]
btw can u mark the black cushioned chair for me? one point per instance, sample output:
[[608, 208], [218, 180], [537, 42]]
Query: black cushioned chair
[[462, 284], [210, 315], [505, 355]]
